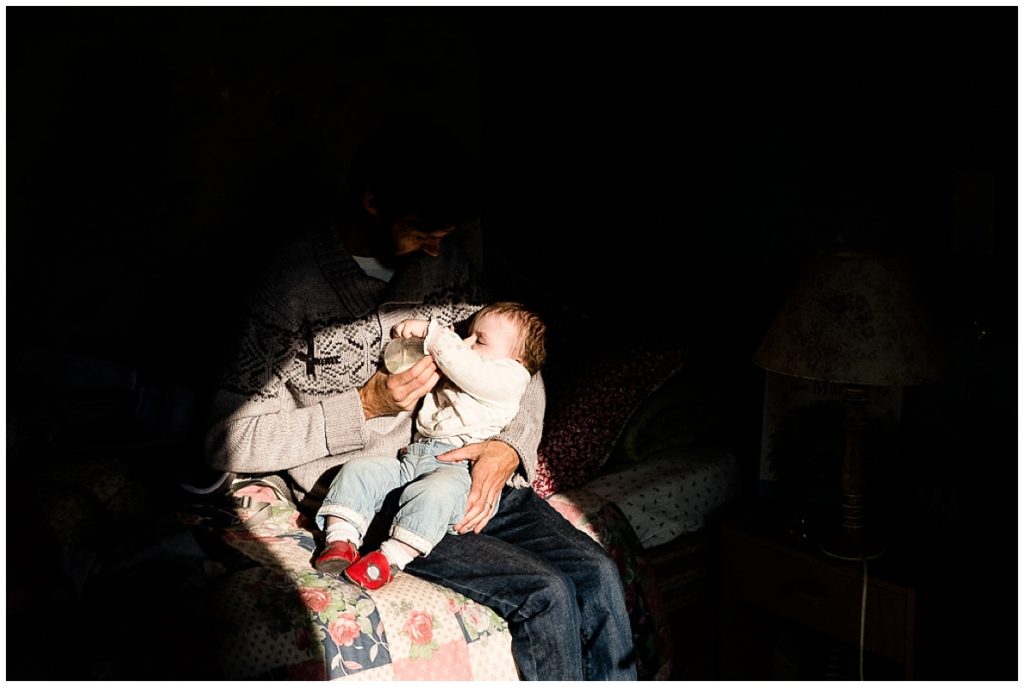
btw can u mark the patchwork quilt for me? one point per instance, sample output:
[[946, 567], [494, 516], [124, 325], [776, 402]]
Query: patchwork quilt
[[280, 618]]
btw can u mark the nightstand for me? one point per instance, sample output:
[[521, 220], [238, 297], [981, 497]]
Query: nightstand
[[771, 583]]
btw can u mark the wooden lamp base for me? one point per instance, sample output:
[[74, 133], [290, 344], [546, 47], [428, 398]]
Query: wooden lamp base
[[844, 546], [849, 541]]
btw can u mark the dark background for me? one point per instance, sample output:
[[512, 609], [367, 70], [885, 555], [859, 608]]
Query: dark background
[[693, 155], [653, 170]]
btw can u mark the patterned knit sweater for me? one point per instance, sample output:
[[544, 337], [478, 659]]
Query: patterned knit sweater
[[314, 334]]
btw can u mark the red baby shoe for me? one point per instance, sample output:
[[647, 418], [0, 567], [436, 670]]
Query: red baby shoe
[[335, 557], [372, 571]]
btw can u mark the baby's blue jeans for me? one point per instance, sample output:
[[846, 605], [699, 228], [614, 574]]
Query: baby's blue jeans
[[433, 500]]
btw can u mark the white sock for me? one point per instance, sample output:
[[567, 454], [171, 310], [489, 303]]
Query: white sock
[[397, 553], [343, 530]]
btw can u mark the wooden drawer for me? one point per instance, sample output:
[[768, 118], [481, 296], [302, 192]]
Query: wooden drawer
[[683, 570], [819, 593]]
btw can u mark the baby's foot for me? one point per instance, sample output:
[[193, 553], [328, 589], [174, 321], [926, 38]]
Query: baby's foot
[[335, 557], [372, 571]]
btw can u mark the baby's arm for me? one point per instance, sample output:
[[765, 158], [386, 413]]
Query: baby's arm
[[489, 381]]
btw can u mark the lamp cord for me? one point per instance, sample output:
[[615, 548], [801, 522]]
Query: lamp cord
[[863, 613]]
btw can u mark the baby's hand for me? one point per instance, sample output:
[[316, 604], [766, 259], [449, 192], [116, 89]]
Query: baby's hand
[[409, 328]]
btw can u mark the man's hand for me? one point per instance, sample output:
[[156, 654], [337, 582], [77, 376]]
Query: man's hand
[[493, 462], [390, 394]]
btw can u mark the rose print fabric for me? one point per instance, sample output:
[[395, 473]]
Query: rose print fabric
[[282, 619], [285, 620]]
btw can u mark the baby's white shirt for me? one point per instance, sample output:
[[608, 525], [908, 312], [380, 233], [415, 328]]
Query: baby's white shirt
[[478, 396]]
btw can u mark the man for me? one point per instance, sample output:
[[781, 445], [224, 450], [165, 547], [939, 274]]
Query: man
[[305, 394]]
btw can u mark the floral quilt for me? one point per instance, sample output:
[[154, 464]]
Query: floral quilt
[[280, 618]]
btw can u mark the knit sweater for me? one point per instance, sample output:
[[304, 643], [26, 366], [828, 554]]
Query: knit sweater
[[313, 335]]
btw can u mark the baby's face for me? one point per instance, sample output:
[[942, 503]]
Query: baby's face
[[494, 336]]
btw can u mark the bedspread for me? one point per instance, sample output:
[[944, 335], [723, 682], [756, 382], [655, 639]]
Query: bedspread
[[282, 619]]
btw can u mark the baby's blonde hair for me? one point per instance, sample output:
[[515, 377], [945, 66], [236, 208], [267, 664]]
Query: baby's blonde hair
[[532, 331]]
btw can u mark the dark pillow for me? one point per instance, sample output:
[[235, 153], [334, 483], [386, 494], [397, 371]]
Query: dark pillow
[[686, 410], [586, 415]]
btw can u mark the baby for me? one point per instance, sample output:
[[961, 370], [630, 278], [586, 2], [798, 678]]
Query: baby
[[484, 378]]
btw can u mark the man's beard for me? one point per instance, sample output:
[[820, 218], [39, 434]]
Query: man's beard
[[395, 262], [383, 247]]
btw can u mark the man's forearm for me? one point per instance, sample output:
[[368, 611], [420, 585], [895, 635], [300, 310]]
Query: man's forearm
[[262, 437]]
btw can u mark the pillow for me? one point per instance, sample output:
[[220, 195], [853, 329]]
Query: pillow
[[586, 416], [684, 411]]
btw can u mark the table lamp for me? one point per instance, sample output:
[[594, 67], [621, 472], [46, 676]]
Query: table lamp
[[852, 320]]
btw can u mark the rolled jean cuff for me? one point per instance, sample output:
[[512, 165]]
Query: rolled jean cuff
[[410, 538], [343, 512]]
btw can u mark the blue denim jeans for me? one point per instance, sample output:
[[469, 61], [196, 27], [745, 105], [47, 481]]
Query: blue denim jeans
[[433, 500], [558, 590]]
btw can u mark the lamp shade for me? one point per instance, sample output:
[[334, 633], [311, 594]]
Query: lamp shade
[[852, 319]]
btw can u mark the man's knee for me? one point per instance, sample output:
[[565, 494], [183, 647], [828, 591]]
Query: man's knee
[[607, 570], [603, 579], [554, 592]]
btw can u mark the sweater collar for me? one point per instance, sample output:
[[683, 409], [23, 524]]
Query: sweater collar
[[359, 293]]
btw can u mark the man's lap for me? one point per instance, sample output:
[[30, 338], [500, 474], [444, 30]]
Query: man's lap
[[525, 539]]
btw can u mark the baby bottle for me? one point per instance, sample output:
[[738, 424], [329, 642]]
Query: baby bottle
[[401, 354]]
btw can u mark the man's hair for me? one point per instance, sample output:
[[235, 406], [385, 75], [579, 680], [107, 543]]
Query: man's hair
[[532, 330], [413, 166]]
